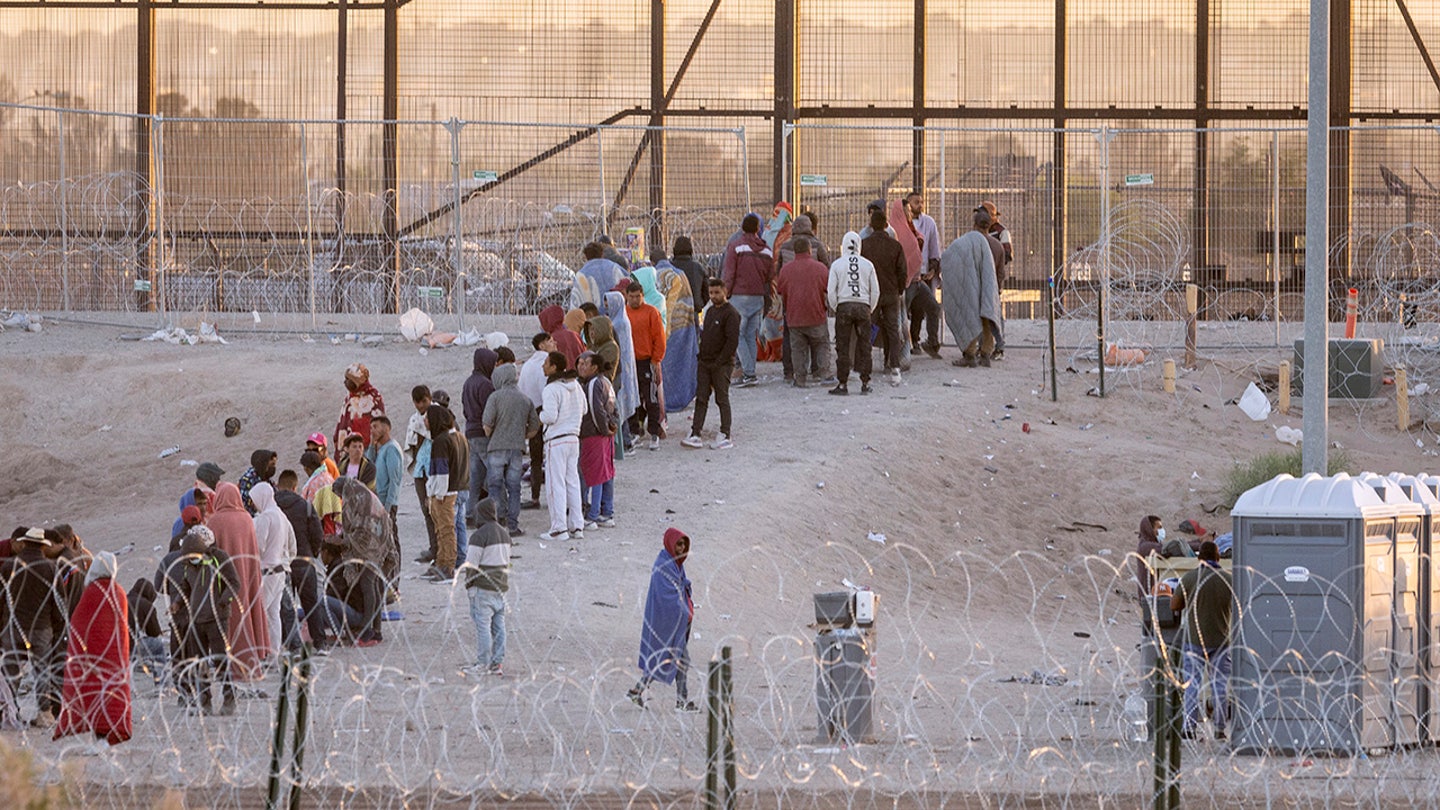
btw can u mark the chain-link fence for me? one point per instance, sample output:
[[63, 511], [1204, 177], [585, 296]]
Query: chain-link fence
[[242, 215]]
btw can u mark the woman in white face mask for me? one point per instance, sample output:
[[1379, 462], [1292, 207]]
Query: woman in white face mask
[[1152, 536]]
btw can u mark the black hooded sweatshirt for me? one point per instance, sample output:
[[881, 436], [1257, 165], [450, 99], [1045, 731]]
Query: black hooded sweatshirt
[[477, 391], [684, 261], [303, 520]]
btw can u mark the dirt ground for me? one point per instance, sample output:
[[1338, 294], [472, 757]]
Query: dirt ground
[[1003, 555]]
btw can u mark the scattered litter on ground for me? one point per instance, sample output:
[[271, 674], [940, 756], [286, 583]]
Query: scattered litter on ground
[[1038, 677], [1288, 435], [1254, 403], [25, 322], [415, 324], [189, 462], [877, 537], [169, 451]]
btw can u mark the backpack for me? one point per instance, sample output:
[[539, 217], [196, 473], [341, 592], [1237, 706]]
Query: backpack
[[207, 593]]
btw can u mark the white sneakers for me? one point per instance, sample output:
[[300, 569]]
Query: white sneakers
[[894, 376], [722, 442], [654, 443]]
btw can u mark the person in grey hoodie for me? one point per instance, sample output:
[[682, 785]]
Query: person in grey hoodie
[[487, 579], [510, 421], [477, 391]]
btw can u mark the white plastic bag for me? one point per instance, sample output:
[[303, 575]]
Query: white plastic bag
[[1254, 403], [1289, 435], [415, 324]]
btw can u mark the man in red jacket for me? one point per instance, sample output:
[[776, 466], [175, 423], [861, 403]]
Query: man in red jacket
[[803, 285], [647, 333], [748, 267]]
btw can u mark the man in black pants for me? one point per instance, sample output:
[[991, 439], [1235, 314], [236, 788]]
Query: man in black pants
[[532, 385], [303, 576], [718, 342]]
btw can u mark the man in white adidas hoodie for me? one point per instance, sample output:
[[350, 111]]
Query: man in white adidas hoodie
[[853, 293], [562, 407]]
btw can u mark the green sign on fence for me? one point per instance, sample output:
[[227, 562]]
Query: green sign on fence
[[431, 292], [485, 177], [141, 285], [1139, 179], [814, 180]]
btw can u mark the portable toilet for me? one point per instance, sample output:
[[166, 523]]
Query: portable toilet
[[1428, 644], [1312, 651], [1408, 675]]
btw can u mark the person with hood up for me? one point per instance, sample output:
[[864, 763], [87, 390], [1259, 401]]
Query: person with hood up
[[487, 579], [1152, 536], [669, 290], [748, 267], [669, 612], [510, 422], [647, 327], [627, 387], [852, 294], [683, 258], [96, 696], [552, 320], [888, 256], [36, 626], [275, 542], [473, 397], [189, 516], [367, 557], [362, 403], [972, 294], [202, 585], [563, 409], [600, 337], [597, 443], [249, 633], [596, 276], [262, 468]]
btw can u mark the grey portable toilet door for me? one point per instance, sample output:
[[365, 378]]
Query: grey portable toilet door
[[1407, 674], [1377, 662]]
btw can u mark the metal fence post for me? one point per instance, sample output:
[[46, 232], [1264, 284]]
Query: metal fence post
[[604, 199], [944, 192], [744, 164], [457, 256], [1275, 226], [712, 737], [157, 146], [64, 217], [277, 742], [1103, 288], [302, 727], [309, 220]]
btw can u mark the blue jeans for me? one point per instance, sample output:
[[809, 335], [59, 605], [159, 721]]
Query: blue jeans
[[479, 447], [1205, 662], [751, 309], [462, 537], [506, 470], [602, 501], [487, 610], [153, 655]]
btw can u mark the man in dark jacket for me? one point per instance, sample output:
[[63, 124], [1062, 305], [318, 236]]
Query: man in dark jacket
[[684, 261], [262, 470], [304, 577], [202, 583], [712, 372], [884, 251], [36, 626], [473, 397]]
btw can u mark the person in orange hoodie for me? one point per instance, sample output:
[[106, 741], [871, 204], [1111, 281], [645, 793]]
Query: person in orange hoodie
[[647, 333], [552, 320]]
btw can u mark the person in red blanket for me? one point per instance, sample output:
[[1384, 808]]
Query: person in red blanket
[[362, 403], [96, 694]]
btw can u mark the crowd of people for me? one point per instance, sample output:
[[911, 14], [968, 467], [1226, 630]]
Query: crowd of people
[[282, 557]]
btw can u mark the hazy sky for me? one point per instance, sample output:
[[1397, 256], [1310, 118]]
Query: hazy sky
[[979, 13]]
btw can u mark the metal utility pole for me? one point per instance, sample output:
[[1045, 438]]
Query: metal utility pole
[[1315, 446]]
